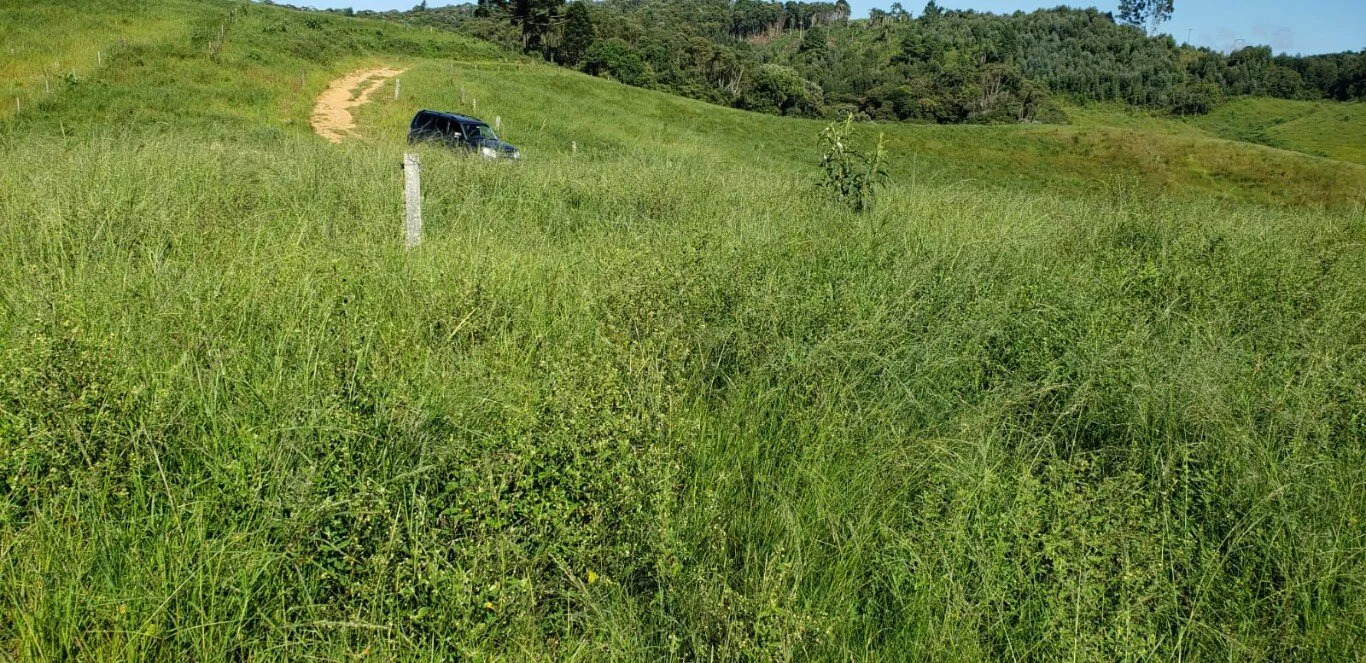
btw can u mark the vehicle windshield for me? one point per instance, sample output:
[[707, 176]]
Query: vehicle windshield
[[481, 131]]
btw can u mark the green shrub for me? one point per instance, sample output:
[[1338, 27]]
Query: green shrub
[[782, 90], [1194, 98], [615, 58], [851, 176]]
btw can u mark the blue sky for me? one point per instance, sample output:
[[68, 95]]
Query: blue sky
[[1288, 26]]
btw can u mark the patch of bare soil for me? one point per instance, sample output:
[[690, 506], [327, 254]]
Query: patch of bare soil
[[332, 113]]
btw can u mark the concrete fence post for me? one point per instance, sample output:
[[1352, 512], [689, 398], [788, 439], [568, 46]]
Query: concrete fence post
[[398, 83], [412, 197]]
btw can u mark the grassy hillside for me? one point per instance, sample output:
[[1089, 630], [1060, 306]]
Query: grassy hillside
[[272, 63], [1333, 130], [52, 40], [1320, 128], [220, 67], [1081, 160], [1084, 392]]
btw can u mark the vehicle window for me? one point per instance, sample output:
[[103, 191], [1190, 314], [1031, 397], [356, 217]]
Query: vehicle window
[[481, 131], [423, 122]]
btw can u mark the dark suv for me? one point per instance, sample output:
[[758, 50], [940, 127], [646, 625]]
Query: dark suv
[[454, 130]]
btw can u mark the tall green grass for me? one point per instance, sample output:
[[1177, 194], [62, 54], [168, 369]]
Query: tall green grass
[[652, 405], [659, 398]]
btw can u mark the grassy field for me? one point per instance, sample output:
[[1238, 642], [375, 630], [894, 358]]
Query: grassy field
[[48, 44], [1087, 392], [1334, 131], [1320, 128], [1083, 160]]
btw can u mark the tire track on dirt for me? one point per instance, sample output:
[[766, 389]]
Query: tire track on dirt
[[331, 117]]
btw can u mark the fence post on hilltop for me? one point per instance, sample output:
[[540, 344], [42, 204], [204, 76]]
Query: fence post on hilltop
[[398, 82], [47, 85], [412, 198], [99, 58], [476, 105], [498, 123]]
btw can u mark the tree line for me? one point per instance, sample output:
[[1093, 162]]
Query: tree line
[[946, 66]]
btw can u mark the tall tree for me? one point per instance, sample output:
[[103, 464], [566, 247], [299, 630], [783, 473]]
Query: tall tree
[[578, 33], [1145, 14], [522, 15], [842, 11], [487, 7], [537, 18], [814, 40]]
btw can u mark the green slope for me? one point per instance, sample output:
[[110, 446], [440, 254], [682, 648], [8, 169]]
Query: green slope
[[1066, 392], [44, 40], [273, 63], [1336, 131], [217, 65], [1327, 129], [603, 115]]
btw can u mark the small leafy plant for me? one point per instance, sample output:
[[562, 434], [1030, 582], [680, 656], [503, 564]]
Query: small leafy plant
[[852, 176]]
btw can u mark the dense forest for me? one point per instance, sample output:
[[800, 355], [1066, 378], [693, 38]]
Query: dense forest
[[946, 66]]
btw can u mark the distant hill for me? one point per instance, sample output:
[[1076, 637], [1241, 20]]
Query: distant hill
[[942, 66]]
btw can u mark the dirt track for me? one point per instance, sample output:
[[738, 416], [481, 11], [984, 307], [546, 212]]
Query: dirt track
[[332, 113]]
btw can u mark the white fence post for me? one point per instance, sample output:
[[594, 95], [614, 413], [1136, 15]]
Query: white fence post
[[476, 105], [397, 83], [18, 108], [498, 123], [412, 196]]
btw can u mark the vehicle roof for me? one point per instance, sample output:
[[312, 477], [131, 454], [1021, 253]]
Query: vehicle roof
[[452, 116]]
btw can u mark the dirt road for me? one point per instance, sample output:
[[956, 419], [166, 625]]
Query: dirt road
[[332, 113]]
